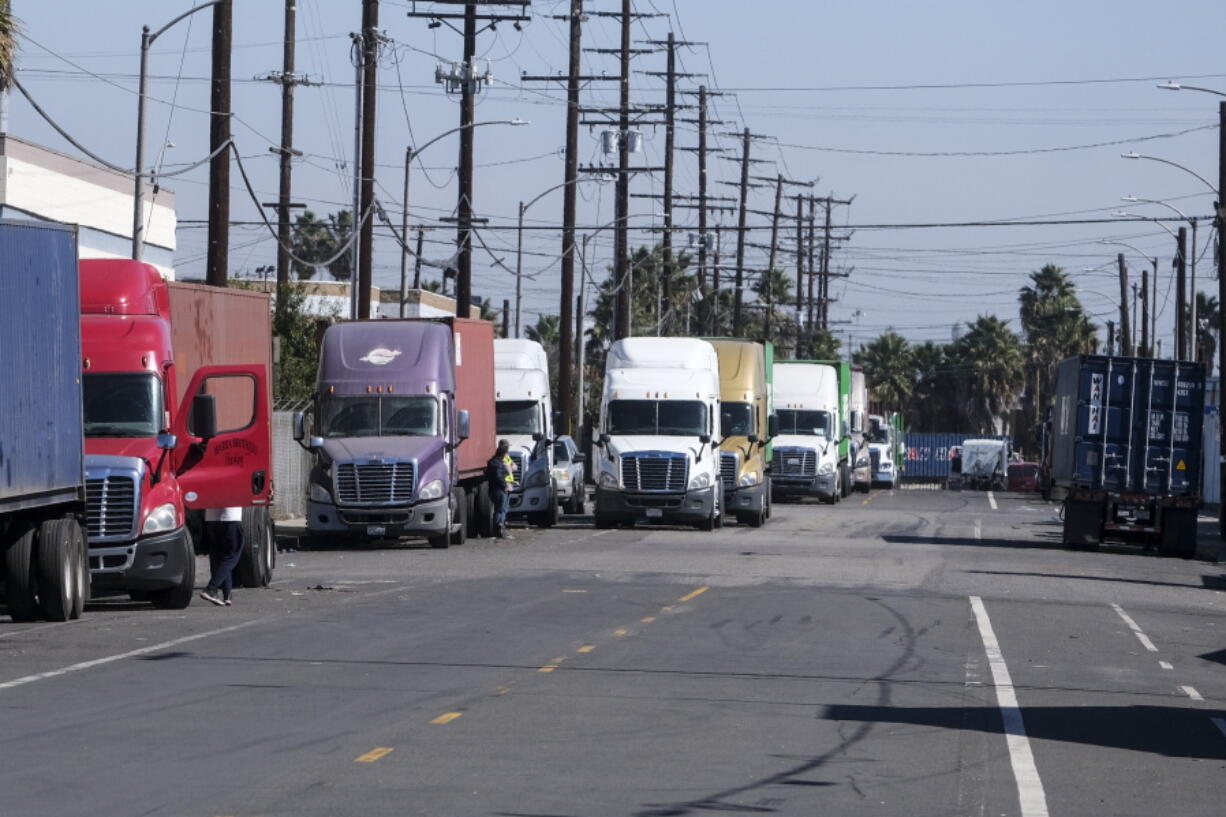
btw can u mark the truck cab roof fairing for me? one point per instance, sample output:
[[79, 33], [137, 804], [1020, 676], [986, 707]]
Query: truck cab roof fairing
[[411, 357]]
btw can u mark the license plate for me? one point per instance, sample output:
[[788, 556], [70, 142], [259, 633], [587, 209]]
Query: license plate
[[375, 530], [655, 513], [792, 461]]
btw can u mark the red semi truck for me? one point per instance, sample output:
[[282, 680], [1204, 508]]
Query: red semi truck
[[176, 403]]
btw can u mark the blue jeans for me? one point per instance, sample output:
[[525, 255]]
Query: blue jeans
[[502, 505]]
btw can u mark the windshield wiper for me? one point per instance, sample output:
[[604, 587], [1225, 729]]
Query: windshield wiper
[[113, 431]]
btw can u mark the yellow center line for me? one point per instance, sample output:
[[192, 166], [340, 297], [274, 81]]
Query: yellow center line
[[548, 668], [374, 754], [447, 717], [667, 609], [865, 502], [693, 594], [647, 619], [502, 690], [586, 648], [621, 631]]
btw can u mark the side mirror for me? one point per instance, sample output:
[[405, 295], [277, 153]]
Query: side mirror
[[557, 421], [204, 416], [299, 426], [753, 438], [462, 424], [704, 438], [167, 442], [580, 458], [537, 436], [315, 443], [603, 439], [772, 425]]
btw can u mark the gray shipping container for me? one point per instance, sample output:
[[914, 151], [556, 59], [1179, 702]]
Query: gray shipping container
[[928, 454], [41, 438]]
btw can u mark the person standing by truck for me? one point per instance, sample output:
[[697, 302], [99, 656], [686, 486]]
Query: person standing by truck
[[223, 530], [499, 475]]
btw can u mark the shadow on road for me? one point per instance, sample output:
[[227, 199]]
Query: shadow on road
[[1170, 731], [1207, 582]]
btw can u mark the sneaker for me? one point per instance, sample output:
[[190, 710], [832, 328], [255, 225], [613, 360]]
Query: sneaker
[[228, 603], [210, 598]]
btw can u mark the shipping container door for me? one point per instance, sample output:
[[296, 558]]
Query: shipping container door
[[1105, 433], [1171, 426]]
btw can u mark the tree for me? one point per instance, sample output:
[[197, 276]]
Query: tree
[[8, 43], [1207, 317], [299, 333], [774, 287], [933, 405], [889, 368], [317, 242], [991, 365]]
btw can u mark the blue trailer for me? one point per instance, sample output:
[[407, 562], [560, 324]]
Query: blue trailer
[[42, 473], [1126, 448], [928, 455]]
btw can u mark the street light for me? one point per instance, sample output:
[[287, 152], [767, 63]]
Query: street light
[[146, 41], [1132, 154], [409, 153], [1192, 287], [519, 244], [1149, 322]]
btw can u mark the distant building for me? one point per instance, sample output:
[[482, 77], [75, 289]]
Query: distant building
[[40, 183], [330, 299]]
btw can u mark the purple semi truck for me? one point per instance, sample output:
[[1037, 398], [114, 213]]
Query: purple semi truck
[[403, 424]]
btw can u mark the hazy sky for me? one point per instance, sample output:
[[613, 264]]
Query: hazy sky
[[964, 77]]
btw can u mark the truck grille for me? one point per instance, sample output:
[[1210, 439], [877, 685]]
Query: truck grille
[[795, 462], [517, 457], [876, 458], [662, 472], [374, 483], [728, 468], [110, 508]]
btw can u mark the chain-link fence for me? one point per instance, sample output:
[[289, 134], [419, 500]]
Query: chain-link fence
[[291, 465]]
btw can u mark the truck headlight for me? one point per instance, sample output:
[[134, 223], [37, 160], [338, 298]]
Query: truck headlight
[[319, 493], [608, 479], [561, 474], [825, 469], [161, 518], [537, 478], [703, 480], [748, 480], [431, 490]]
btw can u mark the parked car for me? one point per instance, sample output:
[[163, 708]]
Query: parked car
[[1025, 477], [568, 470]]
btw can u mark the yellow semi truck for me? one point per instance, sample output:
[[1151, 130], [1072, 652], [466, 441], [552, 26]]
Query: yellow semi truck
[[748, 423]]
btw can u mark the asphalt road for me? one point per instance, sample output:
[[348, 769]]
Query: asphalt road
[[908, 653]]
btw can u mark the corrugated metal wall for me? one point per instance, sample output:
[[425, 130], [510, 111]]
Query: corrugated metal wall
[[290, 468], [928, 454]]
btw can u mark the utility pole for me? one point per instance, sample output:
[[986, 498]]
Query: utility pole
[[1153, 313], [624, 325], [800, 270], [738, 295], [1125, 334], [217, 266], [1143, 351], [1220, 222], [715, 327], [288, 80], [572, 417], [770, 264], [1181, 294], [825, 296], [421, 238], [1110, 338], [670, 113], [814, 310], [702, 195], [466, 78], [370, 88]]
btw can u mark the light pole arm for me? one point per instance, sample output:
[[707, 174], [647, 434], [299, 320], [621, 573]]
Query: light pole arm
[[446, 133], [185, 14], [1172, 164]]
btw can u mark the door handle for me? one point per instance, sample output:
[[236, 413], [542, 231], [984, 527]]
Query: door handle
[[258, 480]]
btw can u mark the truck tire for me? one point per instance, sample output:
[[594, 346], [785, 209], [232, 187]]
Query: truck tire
[[180, 596], [603, 522], [19, 578], [1178, 537], [81, 551], [259, 542], [719, 507], [441, 541], [548, 517], [1082, 524], [57, 568], [484, 512], [461, 534]]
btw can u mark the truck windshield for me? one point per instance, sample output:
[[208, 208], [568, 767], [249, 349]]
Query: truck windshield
[[813, 423], [736, 419], [519, 417], [879, 434], [122, 405], [682, 418], [372, 416]]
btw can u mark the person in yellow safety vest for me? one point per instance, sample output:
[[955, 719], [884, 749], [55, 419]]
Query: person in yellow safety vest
[[499, 478]]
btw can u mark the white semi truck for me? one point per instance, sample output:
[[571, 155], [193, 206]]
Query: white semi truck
[[525, 420], [659, 434], [811, 454], [861, 460]]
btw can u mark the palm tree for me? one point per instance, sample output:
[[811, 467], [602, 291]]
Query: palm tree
[[889, 368], [8, 43], [932, 406], [545, 332], [992, 366]]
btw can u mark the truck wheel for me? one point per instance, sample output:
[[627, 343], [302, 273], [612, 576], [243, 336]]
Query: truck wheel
[[580, 498], [1178, 537], [258, 541], [81, 563], [484, 511], [440, 541], [179, 597], [1082, 524], [57, 569], [19, 579], [461, 502], [549, 517]]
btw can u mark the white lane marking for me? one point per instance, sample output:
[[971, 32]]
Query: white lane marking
[[1030, 794], [992, 500], [1136, 629], [97, 662], [1220, 723], [978, 529], [1166, 665], [1192, 693]]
